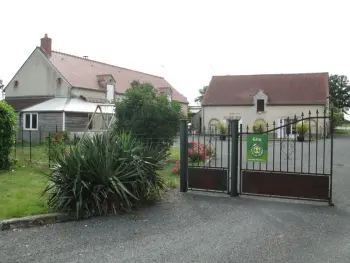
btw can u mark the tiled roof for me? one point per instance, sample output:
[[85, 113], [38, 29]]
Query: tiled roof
[[82, 72], [281, 89]]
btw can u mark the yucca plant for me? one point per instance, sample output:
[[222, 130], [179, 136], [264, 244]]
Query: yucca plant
[[104, 174]]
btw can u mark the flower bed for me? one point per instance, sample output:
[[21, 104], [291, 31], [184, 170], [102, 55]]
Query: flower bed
[[198, 154], [56, 143]]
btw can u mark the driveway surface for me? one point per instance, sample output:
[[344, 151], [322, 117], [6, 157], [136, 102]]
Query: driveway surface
[[197, 227]]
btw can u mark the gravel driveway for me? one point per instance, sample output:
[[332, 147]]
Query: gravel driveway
[[196, 227]]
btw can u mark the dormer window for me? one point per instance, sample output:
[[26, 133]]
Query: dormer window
[[260, 105]]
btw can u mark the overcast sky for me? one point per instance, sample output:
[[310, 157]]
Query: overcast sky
[[193, 40]]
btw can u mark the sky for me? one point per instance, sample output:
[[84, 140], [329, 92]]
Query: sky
[[187, 42]]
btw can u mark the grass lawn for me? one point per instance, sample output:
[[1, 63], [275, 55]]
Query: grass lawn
[[20, 190], [341, 131], [172, 180], [36, 154], [21, 187]]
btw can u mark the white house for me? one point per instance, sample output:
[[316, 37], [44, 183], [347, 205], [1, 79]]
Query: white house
[[270, 98], [55, 91]]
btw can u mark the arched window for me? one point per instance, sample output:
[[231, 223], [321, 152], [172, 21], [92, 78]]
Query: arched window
[[212, 125]]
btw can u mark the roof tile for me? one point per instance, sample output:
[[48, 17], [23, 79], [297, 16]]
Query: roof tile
[[284, 89], [82, 72]]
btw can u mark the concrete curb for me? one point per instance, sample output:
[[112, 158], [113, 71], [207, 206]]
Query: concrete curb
[[36, 220]]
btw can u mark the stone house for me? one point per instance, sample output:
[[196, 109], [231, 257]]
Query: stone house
[[269, 98], [57, 91]]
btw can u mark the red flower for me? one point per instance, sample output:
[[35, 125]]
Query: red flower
[[175, 170], [190, 153], [177, 162]]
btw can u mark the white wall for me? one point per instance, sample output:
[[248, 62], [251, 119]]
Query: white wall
[[110, 92], [89, 94], [184, 108], [37, 77], [249, 114]]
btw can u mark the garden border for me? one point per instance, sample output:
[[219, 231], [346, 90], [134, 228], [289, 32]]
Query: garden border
[[36, 220]]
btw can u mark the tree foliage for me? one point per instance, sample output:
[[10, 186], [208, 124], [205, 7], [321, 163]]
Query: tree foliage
[[202, 92], [339, 92], [8, 124], [338, 118], [148, 115]]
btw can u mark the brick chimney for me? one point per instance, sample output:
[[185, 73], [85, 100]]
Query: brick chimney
[[46, 45]]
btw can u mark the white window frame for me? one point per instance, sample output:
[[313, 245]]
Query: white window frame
[[31, 118]]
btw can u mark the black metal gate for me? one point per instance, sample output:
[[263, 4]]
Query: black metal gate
[[205, 160], [298, 162]]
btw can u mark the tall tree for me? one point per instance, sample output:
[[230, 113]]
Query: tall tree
[[202, 92], [339, 92], [148, 115]]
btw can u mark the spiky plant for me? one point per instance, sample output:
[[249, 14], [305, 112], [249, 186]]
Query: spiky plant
[[104, 174]]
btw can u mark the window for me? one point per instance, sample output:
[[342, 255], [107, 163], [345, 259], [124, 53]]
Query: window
[[169, 97], [30, 121], [260, 105], [290, 126]]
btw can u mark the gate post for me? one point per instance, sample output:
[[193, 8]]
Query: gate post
[[183, 155], [234, 157]]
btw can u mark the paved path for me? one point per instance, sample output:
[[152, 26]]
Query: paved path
[[201, 228]]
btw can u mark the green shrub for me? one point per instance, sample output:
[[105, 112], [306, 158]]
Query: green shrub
[[8, 127], [259, 126], [148, 115], [222, 127], [302, 128], [105, 174], [338, 118]]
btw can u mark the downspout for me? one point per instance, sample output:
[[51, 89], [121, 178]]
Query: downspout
[[63, 121]]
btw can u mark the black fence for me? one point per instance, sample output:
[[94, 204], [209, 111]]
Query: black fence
[[290, 151], [295, 163], [291, 158], [34, 146], [209, 149]]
